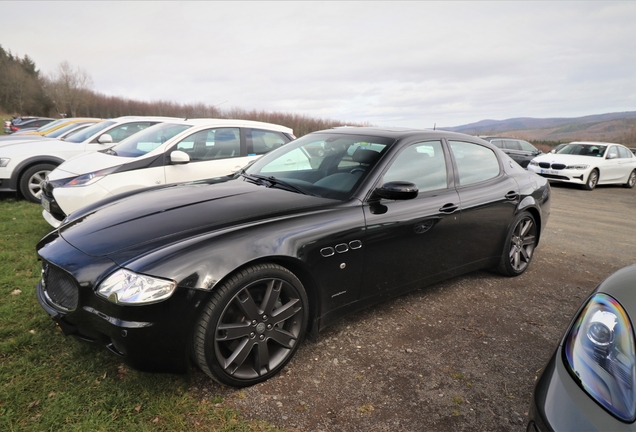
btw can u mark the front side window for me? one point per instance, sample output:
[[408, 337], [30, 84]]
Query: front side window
[[526, 146], [423, 164], [475, 163], [612, 153], [261, 141], [209, 144], [512, 145]]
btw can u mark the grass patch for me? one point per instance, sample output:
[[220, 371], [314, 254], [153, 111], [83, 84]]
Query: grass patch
[[50, 382]]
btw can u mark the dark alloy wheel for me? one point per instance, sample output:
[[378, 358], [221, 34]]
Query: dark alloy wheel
[[31, 181], [631, 180], [592, 180], [519, 248], [252, 326]]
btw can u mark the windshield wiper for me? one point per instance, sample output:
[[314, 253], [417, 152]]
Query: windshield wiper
[[272, 181]]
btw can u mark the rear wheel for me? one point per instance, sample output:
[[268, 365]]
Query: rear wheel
[[252, 326], [631, 180], [519, 247], [31, 181], [592, 180]]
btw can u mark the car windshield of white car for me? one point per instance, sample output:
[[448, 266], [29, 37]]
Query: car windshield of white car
[[593, 150], [147, 140], [326, 165], [88, 132]]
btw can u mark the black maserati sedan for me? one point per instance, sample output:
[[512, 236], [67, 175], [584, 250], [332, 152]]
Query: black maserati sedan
[[233, 272], [589, 384]]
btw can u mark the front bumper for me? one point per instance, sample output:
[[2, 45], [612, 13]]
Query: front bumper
[[560, 404], [562, 175], [153, 337]]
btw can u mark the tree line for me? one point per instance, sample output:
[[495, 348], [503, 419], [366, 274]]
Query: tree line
[[68, 92]]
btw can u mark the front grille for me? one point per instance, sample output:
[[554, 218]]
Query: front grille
[[555, 166], [61, 288]]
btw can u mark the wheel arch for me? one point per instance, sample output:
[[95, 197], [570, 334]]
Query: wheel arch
[[28, 163], [300, 270]]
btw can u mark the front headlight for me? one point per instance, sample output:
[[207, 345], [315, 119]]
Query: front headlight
[[599, 351], [533, 163], [129, 288], [90, 178], [4, 162], [577, 167]]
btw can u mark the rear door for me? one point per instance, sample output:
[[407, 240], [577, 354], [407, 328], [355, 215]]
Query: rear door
[[488, 202]]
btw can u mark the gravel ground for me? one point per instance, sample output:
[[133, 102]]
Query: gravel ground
[[459, 355]]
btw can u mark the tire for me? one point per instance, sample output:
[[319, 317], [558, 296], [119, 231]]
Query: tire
[[251, 326], [519, 246], [631, 180], [592, 180], [32, 178]]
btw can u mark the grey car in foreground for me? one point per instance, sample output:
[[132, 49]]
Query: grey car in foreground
[[589, 383]]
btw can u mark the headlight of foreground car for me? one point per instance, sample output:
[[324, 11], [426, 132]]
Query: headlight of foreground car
[[129, 288], [599, 351], [90, 178], [533, 163], [4, 162], [577, 167]]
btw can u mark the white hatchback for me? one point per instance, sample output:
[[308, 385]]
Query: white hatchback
[[588, 164], [171, 152]]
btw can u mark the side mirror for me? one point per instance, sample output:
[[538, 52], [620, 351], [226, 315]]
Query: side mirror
[[612, 156], [179, 157], [397, 190], [105, 139]]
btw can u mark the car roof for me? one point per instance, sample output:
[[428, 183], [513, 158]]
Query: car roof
[[395, 132], [201, 122], [594, 143]]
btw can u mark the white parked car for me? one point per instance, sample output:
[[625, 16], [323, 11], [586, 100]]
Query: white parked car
[[171, 152], [25, 164], [588, 164]]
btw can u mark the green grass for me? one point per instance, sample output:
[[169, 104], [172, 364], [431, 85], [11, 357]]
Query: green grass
[[51, 383]]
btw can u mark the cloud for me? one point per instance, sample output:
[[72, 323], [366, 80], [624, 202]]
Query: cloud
[[387, 63]]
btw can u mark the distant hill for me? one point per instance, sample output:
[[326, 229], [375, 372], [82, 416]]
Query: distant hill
[[612, 127]]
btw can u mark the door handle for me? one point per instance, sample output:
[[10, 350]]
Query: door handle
[[449, 208], [512, 196]]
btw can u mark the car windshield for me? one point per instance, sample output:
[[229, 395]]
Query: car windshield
[[328, 165], [64, 129], [51, 125], [593, 150], [89, 132], [148, 140]]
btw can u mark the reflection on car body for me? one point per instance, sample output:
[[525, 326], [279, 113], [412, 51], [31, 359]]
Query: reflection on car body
[[235, 270], [589, 382]]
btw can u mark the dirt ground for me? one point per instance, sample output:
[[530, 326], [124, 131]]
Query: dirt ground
[[459, 355]]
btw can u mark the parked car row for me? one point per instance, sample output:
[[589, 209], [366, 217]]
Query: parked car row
[[24, 123]]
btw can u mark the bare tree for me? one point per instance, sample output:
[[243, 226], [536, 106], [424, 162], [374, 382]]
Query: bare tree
[[70, 89]]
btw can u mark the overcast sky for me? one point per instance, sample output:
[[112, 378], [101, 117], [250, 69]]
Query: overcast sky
[[387, 63]]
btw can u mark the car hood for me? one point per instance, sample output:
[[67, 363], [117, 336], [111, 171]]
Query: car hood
[[6, 144], [153, 218], [86, 163], [567, 159]]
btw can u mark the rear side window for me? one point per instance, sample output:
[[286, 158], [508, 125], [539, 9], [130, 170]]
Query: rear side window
[[261, 141], [475, 163]]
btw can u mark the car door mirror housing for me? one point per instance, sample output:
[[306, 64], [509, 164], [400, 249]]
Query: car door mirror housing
[[179, 157], [105, 139], [612, 156], [397, 190]]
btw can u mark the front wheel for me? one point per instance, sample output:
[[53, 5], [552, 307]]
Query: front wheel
[[631, 180], [519, 246], [592, 180], [252, 326], [31, 181]]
